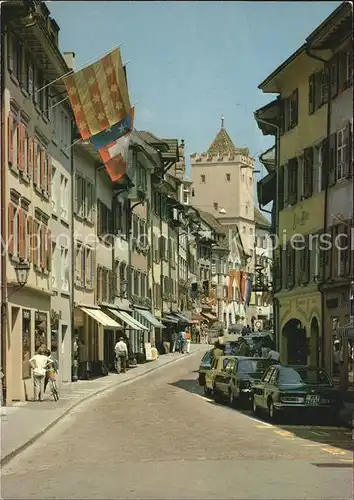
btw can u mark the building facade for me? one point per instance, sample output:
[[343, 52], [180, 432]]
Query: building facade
[[34, 149], [307, 179], [263, 269]]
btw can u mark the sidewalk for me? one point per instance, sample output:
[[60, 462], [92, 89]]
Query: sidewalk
[[23, 423]]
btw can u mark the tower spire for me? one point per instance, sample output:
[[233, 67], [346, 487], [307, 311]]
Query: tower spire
[[222, 121]]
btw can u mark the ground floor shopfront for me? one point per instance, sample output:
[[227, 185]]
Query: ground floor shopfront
[[27, 328], [299, 325], [338, 350]]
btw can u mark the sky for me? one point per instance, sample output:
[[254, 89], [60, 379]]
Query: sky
[[191, 62]]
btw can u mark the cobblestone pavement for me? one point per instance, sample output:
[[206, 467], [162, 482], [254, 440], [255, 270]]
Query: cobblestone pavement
[[159, 438], [24, 422]]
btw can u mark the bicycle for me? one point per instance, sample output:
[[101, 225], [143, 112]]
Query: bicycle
[[53, 384]]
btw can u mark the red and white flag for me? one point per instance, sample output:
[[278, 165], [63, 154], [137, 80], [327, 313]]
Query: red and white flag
[[115, 157], [99, 94]]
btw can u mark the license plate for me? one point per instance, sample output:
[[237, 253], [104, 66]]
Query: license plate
[[312, 400]]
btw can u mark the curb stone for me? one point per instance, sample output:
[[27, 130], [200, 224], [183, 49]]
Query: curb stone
[[10, 456]]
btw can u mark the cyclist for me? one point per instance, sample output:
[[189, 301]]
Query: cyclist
[[51, 368]]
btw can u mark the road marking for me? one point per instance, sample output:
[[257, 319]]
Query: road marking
[[285, 434], [335, 451], [320, 433], [312, 445], [264, 426]]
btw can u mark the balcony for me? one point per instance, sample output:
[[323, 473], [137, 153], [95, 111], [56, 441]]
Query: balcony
[[136, 300]]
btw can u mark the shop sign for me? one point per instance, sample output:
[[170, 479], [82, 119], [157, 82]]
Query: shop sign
[[304, 218]]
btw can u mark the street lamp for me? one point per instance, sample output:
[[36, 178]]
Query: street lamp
[[22, 272]]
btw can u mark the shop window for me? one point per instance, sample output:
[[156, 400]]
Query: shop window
[[26, 343], [40, 329]]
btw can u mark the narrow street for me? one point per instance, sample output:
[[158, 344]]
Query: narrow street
[[158, 437]]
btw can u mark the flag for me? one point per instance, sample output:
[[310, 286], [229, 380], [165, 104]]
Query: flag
[[248, 289], [99, 94], [107, 137], [115, 157]]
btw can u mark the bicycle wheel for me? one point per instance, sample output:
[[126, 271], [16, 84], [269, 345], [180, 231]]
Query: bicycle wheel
[[54, 391]]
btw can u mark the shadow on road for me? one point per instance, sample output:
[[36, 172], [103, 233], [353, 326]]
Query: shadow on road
[[309, 429]]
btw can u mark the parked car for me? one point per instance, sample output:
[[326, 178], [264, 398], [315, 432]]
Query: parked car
[[218, 366], [233, 384], [289, 389], [205, 366]]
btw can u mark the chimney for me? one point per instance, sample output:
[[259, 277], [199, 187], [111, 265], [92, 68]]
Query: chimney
[[70, 59]]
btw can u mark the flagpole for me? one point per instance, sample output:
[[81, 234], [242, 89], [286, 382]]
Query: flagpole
[[73, 144], [72, 71], [56, 104]]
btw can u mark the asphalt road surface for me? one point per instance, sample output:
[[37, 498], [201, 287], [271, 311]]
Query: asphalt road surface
[[159, 438]]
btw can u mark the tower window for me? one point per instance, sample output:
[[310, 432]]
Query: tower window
[[215, 206], [202, 178], [193, 192], [228, 177]]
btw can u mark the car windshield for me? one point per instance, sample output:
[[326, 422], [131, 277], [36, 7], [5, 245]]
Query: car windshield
[[252, 365], [300, 376]]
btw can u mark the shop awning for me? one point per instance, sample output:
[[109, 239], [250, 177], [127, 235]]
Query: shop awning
[[182, 318], [150, 318], [129, 320], [101, 318], [169, 319], [209, 316]]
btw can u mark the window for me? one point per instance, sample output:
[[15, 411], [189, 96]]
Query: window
[[202, 179], [15, 57], [289, 112], [307, 177], [143, 285], [318, 90], [88, 271], [64, 198], [55, 265], [317, 169], [215, 206], [193, 192], [289, 266], [228, 177], [341, 153], [64, 266], [136, 282], [251, 230], [345, 63], [104, 219]]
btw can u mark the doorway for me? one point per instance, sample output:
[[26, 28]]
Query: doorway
[[294, 337], [314, 343]]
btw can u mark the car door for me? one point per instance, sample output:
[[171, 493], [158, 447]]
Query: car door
[[226, 375], [209, 377], [220, 372], [261, 388], [269, 385]]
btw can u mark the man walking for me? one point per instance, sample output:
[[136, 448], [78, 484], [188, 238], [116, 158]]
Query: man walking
[[39, 364], [121, 351]]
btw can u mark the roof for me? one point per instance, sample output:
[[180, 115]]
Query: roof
[[263, 85], [151, 139], [212, 222], [172, 152], [260, 220], [222, 144], [328, 29]]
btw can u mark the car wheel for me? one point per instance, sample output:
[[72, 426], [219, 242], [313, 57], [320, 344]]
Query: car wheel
[[272, 412], [216, 395], [207, 391], [232, 400], [255, 408]]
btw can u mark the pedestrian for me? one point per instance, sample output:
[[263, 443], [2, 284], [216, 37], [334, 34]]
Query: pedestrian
[[174, 341], [121, 351], [188, 342], [197, 334], [39, 364]]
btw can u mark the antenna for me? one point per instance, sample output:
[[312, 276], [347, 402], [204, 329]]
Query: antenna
[[222, 121]]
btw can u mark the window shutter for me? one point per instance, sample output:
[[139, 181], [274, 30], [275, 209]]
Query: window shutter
[[30, 157], [281, 116], [49, 174], [35, 242], [20, 147], [294, 108], [93, 267], [35, 169], [49, 250], [21, 232], [11, 227], [42, 246], [10, 139], [42, 166], [10, 51], [332, 160], [325, 82], [347, 152], [334, 77], [308, 172], [325, 163], [29, 238], [76, 188]]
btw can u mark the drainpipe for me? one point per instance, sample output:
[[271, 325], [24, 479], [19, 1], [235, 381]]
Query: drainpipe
[[277, 166], [3, 212], [329, 107], [75, 365]]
